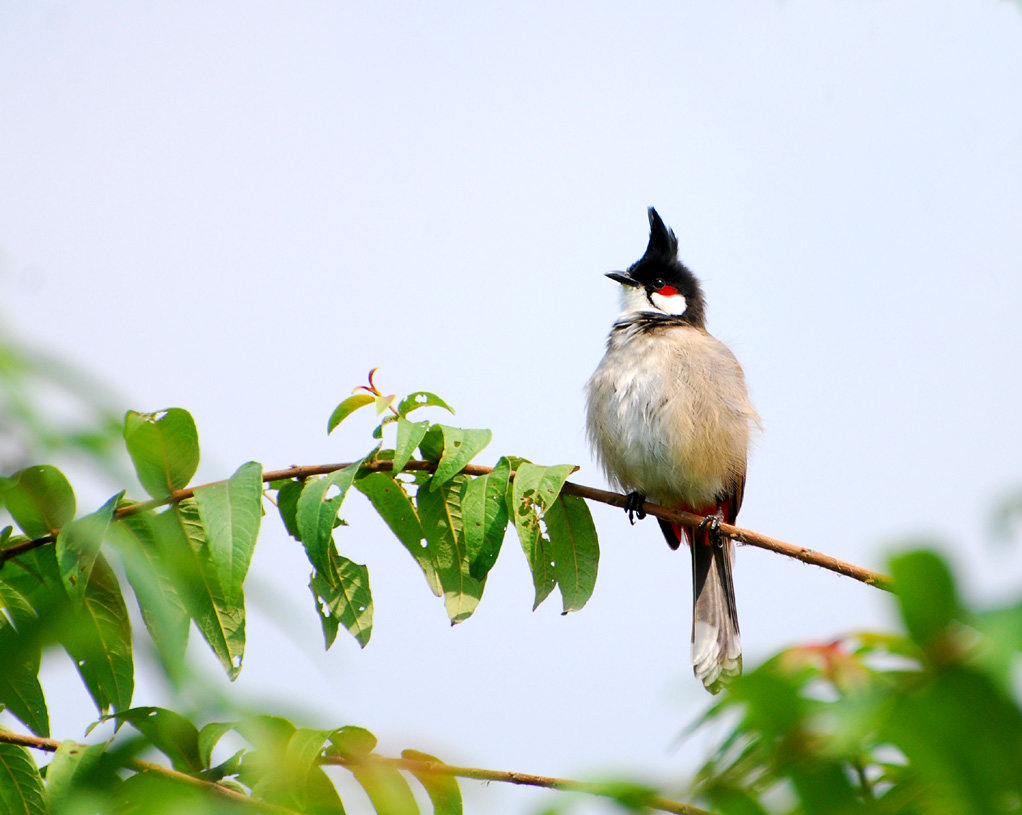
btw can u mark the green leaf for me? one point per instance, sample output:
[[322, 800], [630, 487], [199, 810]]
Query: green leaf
[[78, 545], [575, 549], [182, 542], [926, 594], [432, 445], [287, 505], [21, 787], [534, 489], [163, 610], [299, 764], [209, 737], [169, 732], [421, 399], [20, 630], [73, 768], [443, 790], [460, 447], [441, 517], [353, 742], [346, 408], [409, 436], [384, 402], [40, 500], [386, 788], [389, 498], [164, 447], [343, 597], [317, 514], [230, 512], [485, 518], [98, 639]]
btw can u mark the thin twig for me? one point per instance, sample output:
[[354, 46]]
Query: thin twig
[[415, 765], [410, 764], [746, 536], [51, 745]]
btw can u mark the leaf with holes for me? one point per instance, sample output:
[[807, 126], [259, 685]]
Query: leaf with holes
[[343, 597], [441, 516], [164, 447], [534, 489], [389, 498], [231, 511], [169, 732], [421, 399], [316, 514], [460, 447], [40, 500]]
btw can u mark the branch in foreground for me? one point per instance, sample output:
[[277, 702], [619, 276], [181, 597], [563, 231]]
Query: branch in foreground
[[746, 536], [412, 765]]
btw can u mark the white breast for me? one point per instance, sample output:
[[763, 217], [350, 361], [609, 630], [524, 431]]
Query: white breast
[[668, 415]]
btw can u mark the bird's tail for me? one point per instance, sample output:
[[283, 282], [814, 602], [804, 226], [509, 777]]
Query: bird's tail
[[716, 642]]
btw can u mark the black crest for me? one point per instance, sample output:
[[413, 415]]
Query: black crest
[[663, 244]]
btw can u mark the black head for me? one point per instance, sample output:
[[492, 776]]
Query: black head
[[658, 282]]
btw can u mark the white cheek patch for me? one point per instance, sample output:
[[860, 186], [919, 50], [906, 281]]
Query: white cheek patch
[[672, 304], [633, 298]]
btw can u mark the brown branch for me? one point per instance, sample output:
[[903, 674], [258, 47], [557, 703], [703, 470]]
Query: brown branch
[[410, 764], [51, 745], [415, 765], [746, 536]]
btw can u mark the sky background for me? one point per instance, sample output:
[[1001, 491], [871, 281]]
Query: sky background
[[240, 208]]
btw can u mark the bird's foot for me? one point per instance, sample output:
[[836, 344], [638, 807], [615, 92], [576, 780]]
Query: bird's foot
[[712, 523], [633, 506]]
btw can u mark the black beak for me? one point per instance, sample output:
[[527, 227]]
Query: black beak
[[623, 278]]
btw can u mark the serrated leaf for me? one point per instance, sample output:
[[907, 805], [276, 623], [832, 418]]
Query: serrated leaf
[[317, 514], [533, 490], [460, 447], [163, 610], [164, 447], [421, 399], [231, 511], [78, 545], [443, 790], [21, 787], [98, 639], [389, 498], [575, 549], [343, 597], [287, 505], [441, 517], [346, 408], [485, 517], [73, 767], [40, 500], [169, 732], [409, 436], [182, 542]]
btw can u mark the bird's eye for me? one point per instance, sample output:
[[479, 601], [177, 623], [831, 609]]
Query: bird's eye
[[658, 284]]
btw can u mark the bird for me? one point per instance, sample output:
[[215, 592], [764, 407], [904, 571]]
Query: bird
[[669, 419]]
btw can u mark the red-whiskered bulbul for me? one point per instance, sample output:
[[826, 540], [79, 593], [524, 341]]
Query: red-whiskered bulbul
[[669, 418]]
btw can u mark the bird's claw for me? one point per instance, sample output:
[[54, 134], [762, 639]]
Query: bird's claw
[[713, 522], [633, 506]]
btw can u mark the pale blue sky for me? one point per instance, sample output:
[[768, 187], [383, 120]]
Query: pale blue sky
[[239, 208]]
